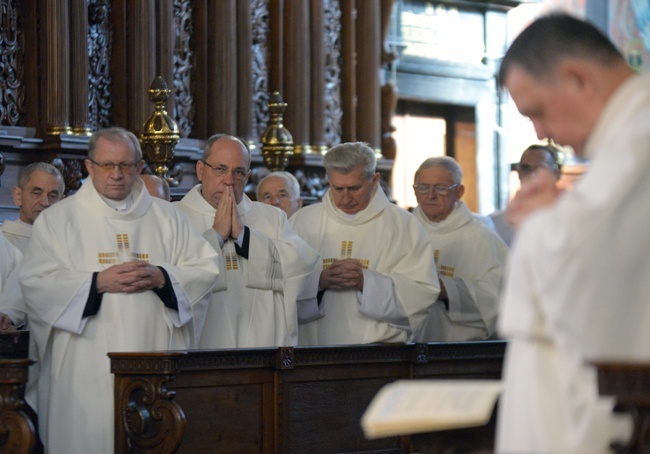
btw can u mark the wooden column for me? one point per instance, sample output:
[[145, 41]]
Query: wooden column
[[348, 71], [276, 45], [165, 39], [297, 70], [141, 61], [79, 66], [56, 67], [368, 66], [244, 72], [317, 27], [222, 67]]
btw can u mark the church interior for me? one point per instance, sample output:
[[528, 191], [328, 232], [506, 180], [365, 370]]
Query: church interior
[[292, 78]]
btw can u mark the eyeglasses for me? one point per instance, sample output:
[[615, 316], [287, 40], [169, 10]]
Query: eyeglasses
[[238, 173], [438, 188], [125, 167]]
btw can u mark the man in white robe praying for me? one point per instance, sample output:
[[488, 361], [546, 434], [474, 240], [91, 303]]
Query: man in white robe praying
[[377, 276], [39, 185], [577, 282], [266, 265], [470, 257], [10, 259], [109, 269]]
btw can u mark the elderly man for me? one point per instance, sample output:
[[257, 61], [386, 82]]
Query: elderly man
[[108, 269], [39, 186], [533, 158], [377, 276], [266, 264], [577, 283], [469, 256], [157, 187], [280, 189]]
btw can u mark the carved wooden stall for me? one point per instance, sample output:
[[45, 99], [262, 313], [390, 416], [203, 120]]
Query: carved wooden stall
[[18, 424], [75, 66], [284, 400]]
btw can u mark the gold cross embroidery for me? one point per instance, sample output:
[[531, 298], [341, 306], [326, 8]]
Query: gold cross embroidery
[[123, 253], [447, 271], [232, 262], [346, 253]]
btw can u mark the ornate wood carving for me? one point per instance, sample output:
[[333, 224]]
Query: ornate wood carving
[[332, 40], [12, 65], [100, 43], [72, 171], [79, 68], [260, 69], [183, 59]]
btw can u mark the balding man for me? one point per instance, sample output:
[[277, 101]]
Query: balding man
[[280, 189], [157, 187], [469, 256], [266, 265]]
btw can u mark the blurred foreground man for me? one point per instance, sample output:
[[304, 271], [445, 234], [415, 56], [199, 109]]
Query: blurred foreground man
[[577, 286], [109, 269], [377, 277]]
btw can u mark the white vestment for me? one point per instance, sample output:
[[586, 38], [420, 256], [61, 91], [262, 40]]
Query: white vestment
[[71, 240], [470, 259], [400, 280], [255, 301], [577, 290], [10, 259], [17, 233]]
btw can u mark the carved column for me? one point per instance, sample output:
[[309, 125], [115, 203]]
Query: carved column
[[56, 67], [297, 70], [276, 45], [222, 67], [200, 48], [349, 79], [141, 60], [79, 67], [368, 69], [244, 72], [317, 64]]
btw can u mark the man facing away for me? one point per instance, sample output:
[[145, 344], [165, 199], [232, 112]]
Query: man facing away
[[108, 269], [39, 185], [533, 158], [266, 265], [157, 186], [577, 283], [377, 276], [470, 257], [280, 189]]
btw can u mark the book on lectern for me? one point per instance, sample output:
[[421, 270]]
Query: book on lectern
[[414, 406]]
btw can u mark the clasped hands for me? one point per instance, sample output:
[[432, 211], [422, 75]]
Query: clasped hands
[[130, 277], [227, 222], [342, 274]]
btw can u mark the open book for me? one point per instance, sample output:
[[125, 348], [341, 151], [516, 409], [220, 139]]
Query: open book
[[412, 406]]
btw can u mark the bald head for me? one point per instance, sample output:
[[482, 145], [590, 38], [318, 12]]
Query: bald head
[[157, 187], [282, 190]]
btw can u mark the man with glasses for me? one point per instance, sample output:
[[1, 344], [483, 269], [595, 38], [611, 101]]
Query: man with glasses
[[534, 158], [108, 269], [377, 277], [469, 257], [265, 264]]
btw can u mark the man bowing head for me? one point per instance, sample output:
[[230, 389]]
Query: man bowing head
[[257, 298], [108, 269]]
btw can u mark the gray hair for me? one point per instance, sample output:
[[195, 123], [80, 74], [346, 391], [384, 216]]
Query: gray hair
[[294, 185], [26, 173], [214, 138], [446, 162], [551, 39], [114, 134], [346, 157]]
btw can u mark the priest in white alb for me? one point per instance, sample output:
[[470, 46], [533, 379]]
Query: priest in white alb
[[109, 269], [266, 266], [470, 257], [10, 259], [377, 276]]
